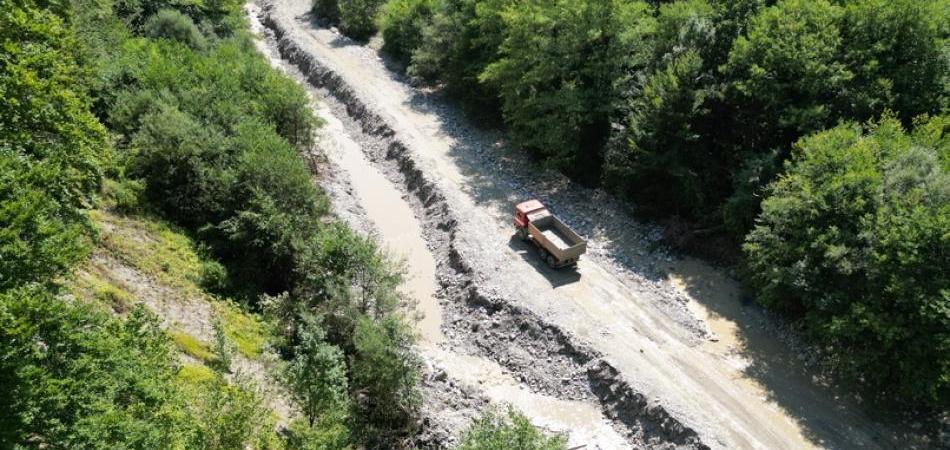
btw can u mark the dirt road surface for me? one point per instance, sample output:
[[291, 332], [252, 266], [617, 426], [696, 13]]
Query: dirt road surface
[[671, 356]]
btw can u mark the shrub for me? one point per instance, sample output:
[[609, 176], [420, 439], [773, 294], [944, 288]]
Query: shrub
[[513, 431], [317, 374], [329, 433], [223, 349], [401, 23], [853, 237], [123, 195], [328, 10], [384, 370], [556, 71], [214, 277], [358, 17], [171, 24]]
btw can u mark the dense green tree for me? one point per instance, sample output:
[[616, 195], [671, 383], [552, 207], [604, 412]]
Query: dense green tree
[[327, 10], [358, 17], [383, 372], [512, 431], [171, 24], [663, 155], [662, 159], [682, 26], [184, 166], [895, 50], [786, 72], [401, 23], [461, 39], [51, 147], [556, 71], [317, 373], [854, 237], [39, 238], [73, 377]]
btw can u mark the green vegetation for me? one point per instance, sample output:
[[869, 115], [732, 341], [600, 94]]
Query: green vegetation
[[402, 23], [692, 109], [854, 237], [511, 431], [200, 188], [72, 376], [244, 330], [355, 18], [50, 146], [192, 346]]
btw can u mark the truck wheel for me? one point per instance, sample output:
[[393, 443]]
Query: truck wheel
[[552, 263], [523, 234]]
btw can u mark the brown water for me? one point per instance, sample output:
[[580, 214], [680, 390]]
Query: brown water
[[401, 233]]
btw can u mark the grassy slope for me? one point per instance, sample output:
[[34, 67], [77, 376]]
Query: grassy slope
[[143, 259]]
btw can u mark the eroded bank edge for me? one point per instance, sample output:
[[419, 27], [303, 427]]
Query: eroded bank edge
[[645, 422]]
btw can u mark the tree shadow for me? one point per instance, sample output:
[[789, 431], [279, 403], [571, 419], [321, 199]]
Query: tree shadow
[[827, 411], [529, 254]]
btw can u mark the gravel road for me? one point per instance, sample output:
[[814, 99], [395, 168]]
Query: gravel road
[[663, 346]]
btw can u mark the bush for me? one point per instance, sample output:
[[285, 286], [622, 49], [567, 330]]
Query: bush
[[384, 372], [661, 159], [214, 277], [123, 195], [328, 10], [401, 23], [316, 374], [512, 432], [358, 18], [329, 433], [556, 71], [184, 165], [853, 237], [106, 383], [171, 24]]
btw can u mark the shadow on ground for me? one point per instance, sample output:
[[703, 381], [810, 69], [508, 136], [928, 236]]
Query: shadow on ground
[[528, 252]]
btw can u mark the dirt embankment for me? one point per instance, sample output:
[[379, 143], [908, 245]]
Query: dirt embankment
[[617, 331]]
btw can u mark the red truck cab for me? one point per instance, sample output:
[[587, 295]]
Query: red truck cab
[[523, 210]]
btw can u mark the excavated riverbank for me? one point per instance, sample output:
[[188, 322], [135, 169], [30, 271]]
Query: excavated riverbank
[[539, 354]]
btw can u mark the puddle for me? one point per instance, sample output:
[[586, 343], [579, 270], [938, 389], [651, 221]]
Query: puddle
[[696, 280]]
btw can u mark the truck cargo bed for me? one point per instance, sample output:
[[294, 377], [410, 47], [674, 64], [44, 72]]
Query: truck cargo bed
[[557, 238]]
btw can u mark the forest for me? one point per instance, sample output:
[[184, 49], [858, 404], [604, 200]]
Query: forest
[[803, 141], [161, 113]]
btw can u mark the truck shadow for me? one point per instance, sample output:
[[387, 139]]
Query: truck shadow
[[529, 253]]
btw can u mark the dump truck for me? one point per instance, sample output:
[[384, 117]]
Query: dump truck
[[558, 245]]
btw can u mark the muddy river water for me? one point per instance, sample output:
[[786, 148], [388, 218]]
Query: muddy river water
[[400, 232]]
